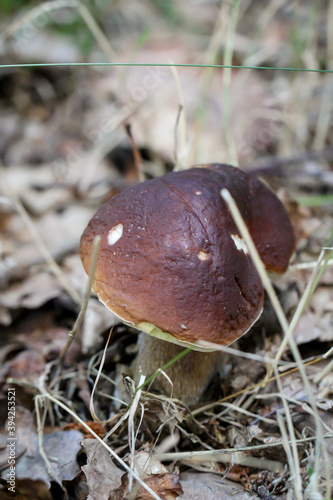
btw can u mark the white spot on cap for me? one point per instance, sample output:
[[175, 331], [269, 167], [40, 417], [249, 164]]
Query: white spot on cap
[[198, 193], [240, 243], [183, 327], [115, 234], [202, 255]]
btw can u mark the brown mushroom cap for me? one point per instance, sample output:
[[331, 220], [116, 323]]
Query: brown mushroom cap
[[171, 256]]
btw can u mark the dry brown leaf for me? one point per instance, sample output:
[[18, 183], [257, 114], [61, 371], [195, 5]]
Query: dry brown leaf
[[210, 487], [103, 476], [166, 486], [61, 448], [98, 429], [28, 365], [60, 232], [315, 325], [26, 489], [157, 477], [325, 394], [97, 320], [31, 293], [25, 358]]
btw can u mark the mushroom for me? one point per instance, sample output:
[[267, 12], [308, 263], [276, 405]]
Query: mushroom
[[173, 264]]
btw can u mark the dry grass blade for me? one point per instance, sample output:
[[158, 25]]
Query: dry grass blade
[[328, 369], [236, 457], [182, 150], [110, 450], [269, 12], [92, 373], [48, 8], [311, 285], [227, 61], [226, 82], [45, 8], [248, 413], [293, 464], [256, 258], [250, 388], [328, 353], [210, 56], [326, 106], [241, 459], [55, 269], [130, 414], [40, 426], [176, 146], [246, 355], [96, 31], [309, 265], [213, 455], [136, 154], [290, 448], [91, 403], [320, 444], [131, 434]]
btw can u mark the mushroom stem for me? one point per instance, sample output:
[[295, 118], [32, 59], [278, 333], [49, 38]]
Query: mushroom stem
[[190, 375]]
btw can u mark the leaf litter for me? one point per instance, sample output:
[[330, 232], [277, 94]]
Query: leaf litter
[[62, 167]]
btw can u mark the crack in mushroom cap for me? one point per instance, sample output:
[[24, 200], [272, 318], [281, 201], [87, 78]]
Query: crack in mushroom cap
[[176, 265]]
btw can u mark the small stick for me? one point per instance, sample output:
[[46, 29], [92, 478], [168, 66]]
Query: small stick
[[136, 154]]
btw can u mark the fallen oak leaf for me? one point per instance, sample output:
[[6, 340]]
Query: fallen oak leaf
[[61, 448], [166, 486], [155, 475], [103, 476]]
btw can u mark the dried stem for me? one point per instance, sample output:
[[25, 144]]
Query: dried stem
[[136, 154]]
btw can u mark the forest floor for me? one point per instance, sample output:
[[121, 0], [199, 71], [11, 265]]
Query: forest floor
[[64, 151]]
